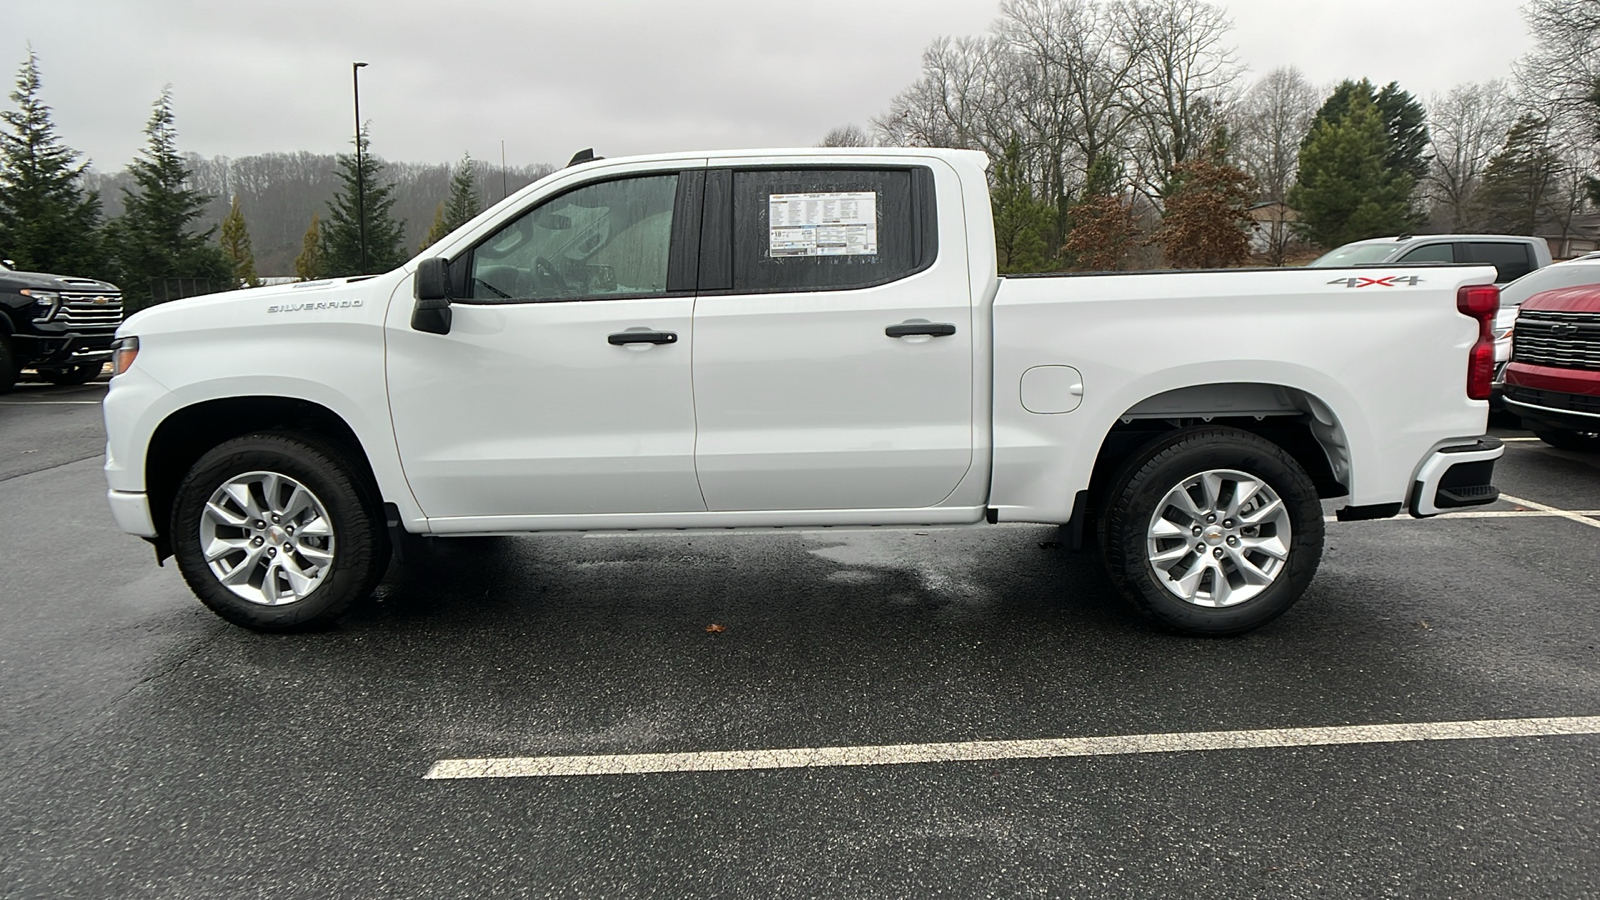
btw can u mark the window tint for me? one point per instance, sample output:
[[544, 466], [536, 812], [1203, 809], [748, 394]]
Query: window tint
[[1444, 253], [815, 229], [608, 239], [1512, 261]]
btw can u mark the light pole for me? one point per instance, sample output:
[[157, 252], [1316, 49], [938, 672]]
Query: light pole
[[361, 172]]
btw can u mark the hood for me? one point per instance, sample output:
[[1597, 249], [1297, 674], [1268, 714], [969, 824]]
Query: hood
[[44, 281], [330, 299], [1585, 298]]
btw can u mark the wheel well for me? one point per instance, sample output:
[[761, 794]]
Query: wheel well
[[1298, 422], [183, 437]]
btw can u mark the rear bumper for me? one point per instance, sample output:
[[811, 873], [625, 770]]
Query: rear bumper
[[1456, 477]]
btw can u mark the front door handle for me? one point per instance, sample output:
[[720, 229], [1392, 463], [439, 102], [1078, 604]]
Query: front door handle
[[643, 337], [934, 329]]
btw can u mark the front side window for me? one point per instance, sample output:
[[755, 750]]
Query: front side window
[[604, 240]]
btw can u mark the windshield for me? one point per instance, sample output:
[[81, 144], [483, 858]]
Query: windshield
[[1355, 255], [1549, 279]]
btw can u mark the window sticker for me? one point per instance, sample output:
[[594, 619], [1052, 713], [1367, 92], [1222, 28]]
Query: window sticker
[[842, 223]]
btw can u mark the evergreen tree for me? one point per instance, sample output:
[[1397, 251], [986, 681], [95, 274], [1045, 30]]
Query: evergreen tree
[[152, 240], [236, 244], [1346, 190], [312, 263], [1521, 184], [362, 196], [1022, 224], [436, 231], [1404, 124], [463, 203], [49, 222]]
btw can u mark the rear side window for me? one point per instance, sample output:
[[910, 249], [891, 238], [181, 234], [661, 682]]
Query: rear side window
[[1440, 253], [829, 229], [1511, 261]]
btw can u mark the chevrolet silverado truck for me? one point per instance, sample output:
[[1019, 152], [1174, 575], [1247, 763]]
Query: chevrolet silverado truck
[[792, 339], [1553, 381], [59, 326]]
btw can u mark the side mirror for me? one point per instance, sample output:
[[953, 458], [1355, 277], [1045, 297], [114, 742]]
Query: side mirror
[[432, 310]]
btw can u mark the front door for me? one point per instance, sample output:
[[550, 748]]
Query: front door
[[834, 349], [563, 386]]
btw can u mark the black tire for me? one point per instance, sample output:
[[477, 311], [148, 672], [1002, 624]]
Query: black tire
[[76, 375], [359, 543], [1561, 439], [8, 365], [1161, 467]]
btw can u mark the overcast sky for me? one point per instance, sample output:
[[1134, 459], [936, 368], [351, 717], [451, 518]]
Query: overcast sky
[[549, 77]]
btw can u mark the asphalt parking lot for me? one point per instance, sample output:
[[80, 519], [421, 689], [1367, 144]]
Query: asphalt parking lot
[[151, 750]]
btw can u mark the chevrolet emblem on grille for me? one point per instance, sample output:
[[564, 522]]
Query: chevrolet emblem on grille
[[101, 301]]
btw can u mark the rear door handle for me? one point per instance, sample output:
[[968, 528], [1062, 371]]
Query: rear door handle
[[935, 329], [643, 337]]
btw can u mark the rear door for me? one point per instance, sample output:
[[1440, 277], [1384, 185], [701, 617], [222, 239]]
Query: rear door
[[833, 364]]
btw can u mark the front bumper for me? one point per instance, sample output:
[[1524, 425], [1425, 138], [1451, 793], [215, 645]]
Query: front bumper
[[70, 349], [1456, 477], [1554, 409], [132, 513]]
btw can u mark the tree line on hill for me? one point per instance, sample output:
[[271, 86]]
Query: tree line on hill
[[221, 223]]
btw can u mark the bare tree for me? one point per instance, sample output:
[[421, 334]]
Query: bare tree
[[1269, 124], [1184, 81], [1563, 68], [846, 136], [953, 104], [1467, 126]]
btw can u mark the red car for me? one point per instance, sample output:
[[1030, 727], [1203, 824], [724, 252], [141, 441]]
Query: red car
[[1553, 379]]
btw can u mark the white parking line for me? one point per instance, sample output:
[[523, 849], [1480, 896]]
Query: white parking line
[[972, 751], [1578, 517], [49, 402]]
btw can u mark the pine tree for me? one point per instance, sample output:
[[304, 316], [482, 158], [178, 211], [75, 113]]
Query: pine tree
[[1346, 190], [312, 263], [436, 231], [463, 204], [1404, 123], [152, 240], [1022, 224], [1520, 185], [236, 244], [48, 221], [362, 196]]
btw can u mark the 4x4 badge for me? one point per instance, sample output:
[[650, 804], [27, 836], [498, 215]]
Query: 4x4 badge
[[1385, 281]]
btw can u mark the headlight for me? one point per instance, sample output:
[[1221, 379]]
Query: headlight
[[45, 303], [123, 353]]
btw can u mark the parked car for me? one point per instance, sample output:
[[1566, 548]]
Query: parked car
[[1553, 379], [1570, 273], [1512, 256], [792, 338], [62, 327]]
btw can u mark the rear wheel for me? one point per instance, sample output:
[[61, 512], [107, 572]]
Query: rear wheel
[[1562, 439], [75, 375], [278, 533], [1212, 531]]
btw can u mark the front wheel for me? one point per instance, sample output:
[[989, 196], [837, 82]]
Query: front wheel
[[275, 532], [1212, 531]]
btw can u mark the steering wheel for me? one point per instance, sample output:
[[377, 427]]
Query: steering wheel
[[546, 279]]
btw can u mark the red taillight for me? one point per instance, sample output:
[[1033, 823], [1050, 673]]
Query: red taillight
[[1481, 302]]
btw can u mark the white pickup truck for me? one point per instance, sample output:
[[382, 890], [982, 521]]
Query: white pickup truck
[[792, 339]]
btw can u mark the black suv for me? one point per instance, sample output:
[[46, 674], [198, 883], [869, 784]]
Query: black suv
[[61, 327]]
